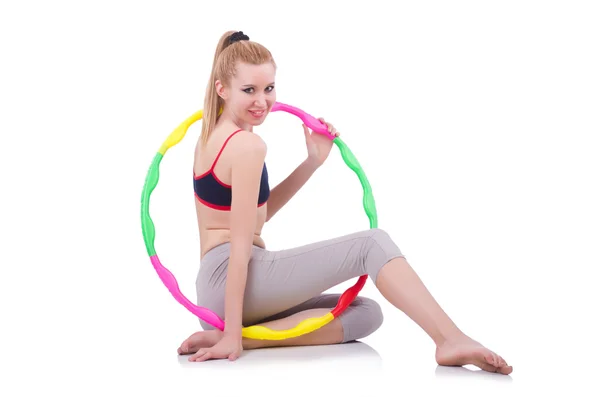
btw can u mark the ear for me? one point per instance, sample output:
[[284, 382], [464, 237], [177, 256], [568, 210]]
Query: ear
[[221, 91]]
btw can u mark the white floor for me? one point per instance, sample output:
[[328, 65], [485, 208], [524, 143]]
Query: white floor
[[125, 352], [354, 369]]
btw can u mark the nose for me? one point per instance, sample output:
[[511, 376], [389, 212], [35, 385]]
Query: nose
[[260, 101]]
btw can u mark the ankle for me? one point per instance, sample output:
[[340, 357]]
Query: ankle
[[251, 344], [450, 335]]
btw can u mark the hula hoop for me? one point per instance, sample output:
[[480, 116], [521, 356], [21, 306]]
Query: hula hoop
[[168, 279]]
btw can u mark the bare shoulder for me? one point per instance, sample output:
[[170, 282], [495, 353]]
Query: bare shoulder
[[246, 143]]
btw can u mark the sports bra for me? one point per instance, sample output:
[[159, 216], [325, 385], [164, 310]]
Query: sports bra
[[213, 193]]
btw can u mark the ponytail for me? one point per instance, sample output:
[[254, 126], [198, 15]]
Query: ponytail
[[212, 101]]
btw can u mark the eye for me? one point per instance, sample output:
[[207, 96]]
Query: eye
[[270, 88], [248, 90]]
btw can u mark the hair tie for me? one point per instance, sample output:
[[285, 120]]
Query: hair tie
[[238, 36]]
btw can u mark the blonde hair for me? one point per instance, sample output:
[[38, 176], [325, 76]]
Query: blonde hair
[[226, 56]]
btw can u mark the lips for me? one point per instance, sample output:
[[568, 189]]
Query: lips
[[257, 113]]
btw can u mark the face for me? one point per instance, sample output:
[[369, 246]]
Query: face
[[250, 95]]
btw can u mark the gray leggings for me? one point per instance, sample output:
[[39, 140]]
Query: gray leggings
[[281, 283]]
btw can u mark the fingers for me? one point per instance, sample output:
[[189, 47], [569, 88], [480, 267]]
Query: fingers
[[208, 354], [330, 128], [184, 348], [201, 355], [306, 133]]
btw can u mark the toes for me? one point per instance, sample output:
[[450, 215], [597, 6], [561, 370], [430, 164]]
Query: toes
[[494, 359], [495, 363], [490, 359], [505, 370], [502, 361], [504, 367], [488, 367]]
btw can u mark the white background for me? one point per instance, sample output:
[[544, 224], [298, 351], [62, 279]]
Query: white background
[[475, 122]]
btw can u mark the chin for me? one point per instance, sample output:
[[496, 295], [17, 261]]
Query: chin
[[256, 121]]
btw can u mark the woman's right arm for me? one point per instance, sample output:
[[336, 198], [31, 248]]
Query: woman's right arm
[[246, 171]]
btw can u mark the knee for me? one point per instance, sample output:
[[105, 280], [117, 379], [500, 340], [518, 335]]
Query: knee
[[384, 241], [379, 249], [363, 318], [374, 240], [373, 314], [380, 236]]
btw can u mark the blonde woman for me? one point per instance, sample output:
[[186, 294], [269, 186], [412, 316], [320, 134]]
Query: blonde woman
[[247, 284]]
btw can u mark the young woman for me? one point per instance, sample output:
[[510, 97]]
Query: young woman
[[247, 284]]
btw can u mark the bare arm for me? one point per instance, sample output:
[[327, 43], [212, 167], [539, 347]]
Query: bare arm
[[318, 148], [283, 192], [245, 180]]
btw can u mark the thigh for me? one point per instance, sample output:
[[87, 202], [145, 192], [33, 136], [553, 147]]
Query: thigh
[[280, 280]]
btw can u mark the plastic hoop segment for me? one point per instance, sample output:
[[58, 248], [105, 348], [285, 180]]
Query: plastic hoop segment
[[169, 280]]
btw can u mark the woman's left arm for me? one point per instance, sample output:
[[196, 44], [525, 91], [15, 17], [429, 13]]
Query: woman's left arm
[[283, 192], [318, 148]]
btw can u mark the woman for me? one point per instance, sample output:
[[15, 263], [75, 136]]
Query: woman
[[247, 284]]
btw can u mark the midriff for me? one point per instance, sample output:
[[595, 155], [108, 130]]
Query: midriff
[[214, 227]]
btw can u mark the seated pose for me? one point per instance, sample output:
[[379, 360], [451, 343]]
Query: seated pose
[[247, 284]]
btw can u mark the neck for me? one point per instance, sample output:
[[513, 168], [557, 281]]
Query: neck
[[229, 117]]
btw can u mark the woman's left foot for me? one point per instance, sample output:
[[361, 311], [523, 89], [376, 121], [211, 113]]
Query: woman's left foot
[[199, 340], [464, 351]]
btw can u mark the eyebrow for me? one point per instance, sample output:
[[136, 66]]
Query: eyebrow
[[252, 85]]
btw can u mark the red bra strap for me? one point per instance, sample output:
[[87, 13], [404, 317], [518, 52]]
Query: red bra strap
[[223, 147]]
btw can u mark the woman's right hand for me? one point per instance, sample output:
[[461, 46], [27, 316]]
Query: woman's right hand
[[230, 347]]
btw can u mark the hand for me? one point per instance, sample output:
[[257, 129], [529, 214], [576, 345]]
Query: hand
[[319, 146], [228, 347]]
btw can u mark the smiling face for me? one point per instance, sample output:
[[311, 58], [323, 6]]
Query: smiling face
[[250, 94]]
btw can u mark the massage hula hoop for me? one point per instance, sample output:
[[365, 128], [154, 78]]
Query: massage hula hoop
[[252, 332]]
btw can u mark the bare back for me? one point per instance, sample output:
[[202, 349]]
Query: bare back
[[214, 224]]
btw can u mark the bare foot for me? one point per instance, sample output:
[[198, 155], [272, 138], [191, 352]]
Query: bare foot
[[464, 351], [199, 340]]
